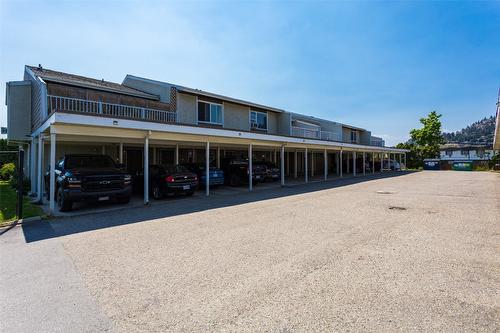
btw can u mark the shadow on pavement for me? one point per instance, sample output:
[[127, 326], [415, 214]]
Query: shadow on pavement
[[47, 229]]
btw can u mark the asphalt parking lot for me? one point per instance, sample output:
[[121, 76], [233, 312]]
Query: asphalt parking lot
[[407, 252]]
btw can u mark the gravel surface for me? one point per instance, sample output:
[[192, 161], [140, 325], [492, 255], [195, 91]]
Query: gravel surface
[[418, 252]]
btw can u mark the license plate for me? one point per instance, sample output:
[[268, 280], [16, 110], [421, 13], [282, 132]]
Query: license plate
[[185, 187], [103, 198], [257, 177]]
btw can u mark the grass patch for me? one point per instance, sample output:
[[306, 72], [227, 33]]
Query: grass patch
[[8, 204]]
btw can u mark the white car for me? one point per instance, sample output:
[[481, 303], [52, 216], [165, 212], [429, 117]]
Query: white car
[[393, 165]]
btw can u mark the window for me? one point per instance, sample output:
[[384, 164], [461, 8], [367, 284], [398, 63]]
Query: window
[[258, 120], [354, 136], [465, 152], [209, 113], [449, 152]]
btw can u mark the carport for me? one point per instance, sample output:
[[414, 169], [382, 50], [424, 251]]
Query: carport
[[159, 143]]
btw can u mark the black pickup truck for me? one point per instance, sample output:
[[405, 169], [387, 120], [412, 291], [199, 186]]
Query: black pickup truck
[[236, 172], [90, 177]]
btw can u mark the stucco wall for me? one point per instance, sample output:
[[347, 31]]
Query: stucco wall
[[273, 122], [18, 110], [365, 137], [346, 135], [186, 109], [236, 117], [284, 123]]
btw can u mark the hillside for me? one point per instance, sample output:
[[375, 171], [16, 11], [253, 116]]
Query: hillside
[[480, 132]]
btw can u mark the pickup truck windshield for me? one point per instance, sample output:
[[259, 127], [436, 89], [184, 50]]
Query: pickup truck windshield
[[73, 162]]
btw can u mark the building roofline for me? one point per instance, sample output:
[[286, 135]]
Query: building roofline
[[74, 82], [204, 93]]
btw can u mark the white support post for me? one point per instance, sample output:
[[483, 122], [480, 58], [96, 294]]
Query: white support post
[[340, 164], [312, 163], [405, 160], [373, 162], [325, 164], [193, 152], [218, 157], [288, 166], [250, 167], [52, 173], [39, 169], [207, 169], [154, 156], [348, 163], [400, 162], [176, 154], [120, 153], [146, 170], [103, 151], [306, 173], [275, 157], [282, 162], [364, 162], [337, 166], [382, 162], [354, 163], [295, 164], [32, 165]]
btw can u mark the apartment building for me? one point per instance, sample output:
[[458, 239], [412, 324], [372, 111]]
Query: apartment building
[[142, 121]]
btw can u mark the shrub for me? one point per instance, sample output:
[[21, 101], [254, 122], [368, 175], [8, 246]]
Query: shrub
[[26, 184], [495, 161], [481, 168], [7, 171]]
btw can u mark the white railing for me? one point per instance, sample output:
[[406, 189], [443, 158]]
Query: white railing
[[312, 134], [59, 103]]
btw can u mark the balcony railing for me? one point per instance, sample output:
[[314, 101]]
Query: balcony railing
[[59, 103], [312, 134]]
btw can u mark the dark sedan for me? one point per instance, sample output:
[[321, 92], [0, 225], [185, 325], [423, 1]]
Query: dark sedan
[[216, 176], [164, 180], [272, 171]]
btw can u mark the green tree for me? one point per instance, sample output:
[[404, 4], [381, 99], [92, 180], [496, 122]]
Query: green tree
[[429, 137], [6, 157], [413, 160], [424, 142]]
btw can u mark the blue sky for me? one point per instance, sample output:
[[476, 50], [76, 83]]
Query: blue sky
[[376, 65]]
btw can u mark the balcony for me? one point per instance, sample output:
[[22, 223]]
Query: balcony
[[67, 104], [312, 134]]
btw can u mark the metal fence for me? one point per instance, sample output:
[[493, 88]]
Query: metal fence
[[69, 104]]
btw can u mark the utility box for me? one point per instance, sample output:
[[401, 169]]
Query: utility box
[[18, 101], [432, 164], [462, 166]]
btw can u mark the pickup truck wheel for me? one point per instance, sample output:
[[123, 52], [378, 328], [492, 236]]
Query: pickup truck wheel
[[156, 192], [63, 204], [234, 180]]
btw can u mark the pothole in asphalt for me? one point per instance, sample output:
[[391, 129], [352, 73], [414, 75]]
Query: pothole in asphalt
[[397, 208]]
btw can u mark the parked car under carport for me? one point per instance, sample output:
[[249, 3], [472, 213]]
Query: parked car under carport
[[167, 180]]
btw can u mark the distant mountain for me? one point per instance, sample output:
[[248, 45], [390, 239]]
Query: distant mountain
[[480, 132]]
